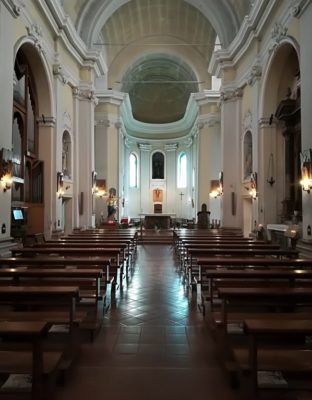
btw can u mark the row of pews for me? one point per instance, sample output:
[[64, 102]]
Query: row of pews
[[53, 296], [257, 299]]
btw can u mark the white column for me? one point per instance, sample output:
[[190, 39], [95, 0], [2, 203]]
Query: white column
[[209, 157], [231, 156], [145, 153], [171, 179], [85, 135], [6, 89]]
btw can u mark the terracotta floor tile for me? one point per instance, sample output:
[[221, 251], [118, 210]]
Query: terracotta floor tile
[[154, 342]]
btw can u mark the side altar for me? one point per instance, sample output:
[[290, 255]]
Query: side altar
[[160, 220]]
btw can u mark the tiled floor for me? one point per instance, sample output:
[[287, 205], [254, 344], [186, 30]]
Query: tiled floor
[[154, 343]]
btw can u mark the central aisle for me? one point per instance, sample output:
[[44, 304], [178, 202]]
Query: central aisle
[[154, 343]]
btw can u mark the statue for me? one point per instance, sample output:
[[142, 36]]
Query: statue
[[203, 217], [112, 204]]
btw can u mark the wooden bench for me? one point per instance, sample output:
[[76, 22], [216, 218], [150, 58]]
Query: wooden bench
[[125, 245], [197, 255], [221, 277], [277, 356], [88, 281], [41, 365], [113, 253]]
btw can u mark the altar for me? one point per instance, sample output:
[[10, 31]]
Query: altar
[[162, 221]]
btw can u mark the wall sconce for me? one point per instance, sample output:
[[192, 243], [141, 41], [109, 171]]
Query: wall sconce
[[6, 169], [270, 178], [6, 182], [60, 185], [93, 182], [216, 187], [306, 170], [253, 186]]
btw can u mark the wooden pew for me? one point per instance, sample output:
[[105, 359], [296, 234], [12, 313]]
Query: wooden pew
[[253, 277], [289, 296], [103, 262], [43, 298], [113, 253], [200, 254], [125, 245], [278, 356], [41, 365]]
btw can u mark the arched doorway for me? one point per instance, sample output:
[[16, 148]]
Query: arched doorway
[[281, 137], [31, 189]]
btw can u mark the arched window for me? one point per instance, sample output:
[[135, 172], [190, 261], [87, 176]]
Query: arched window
[[182, 170], [158, 165], [133, 171]]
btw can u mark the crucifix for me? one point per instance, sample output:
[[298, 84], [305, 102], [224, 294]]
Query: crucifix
[[181, 196]]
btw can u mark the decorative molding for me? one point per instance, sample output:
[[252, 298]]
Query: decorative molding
[[46, 122], [145, 147], [297, 7], [209, 120], [188, 142], [278, 33], [85, 95], [265, 122], [247, 122], [171, 147], [231, 95], [58, 72], [103, 122], [67, 122], [14, 7], [35, 33], [254, 74]]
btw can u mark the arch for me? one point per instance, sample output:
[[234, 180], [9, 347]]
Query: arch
[[222, 16], [280, 100], [38, 63], [42, 159], [272, 75]]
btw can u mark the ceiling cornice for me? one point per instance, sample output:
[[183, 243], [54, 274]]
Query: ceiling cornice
[[249, 31], [64, 29]]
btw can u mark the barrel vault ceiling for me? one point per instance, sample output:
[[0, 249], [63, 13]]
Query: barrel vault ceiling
[[167, 45]]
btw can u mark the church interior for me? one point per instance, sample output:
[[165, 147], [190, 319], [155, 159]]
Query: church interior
[[146, 149]]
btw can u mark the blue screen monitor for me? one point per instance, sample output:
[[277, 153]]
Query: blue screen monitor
[[18, 214]]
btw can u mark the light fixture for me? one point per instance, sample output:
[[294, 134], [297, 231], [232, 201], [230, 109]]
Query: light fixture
[[253, 186], [93, 182], [306, 170], [216, 187], [60, 185], [270, 178], [6, 169]]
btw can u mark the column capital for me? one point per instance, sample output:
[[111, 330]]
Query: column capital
[[232, 94], [46, 122], [145, 147], [171, 147]]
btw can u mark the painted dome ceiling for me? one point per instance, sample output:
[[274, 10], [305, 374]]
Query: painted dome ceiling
[[158, 51]]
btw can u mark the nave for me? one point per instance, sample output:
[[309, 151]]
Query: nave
[[153, 344]]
